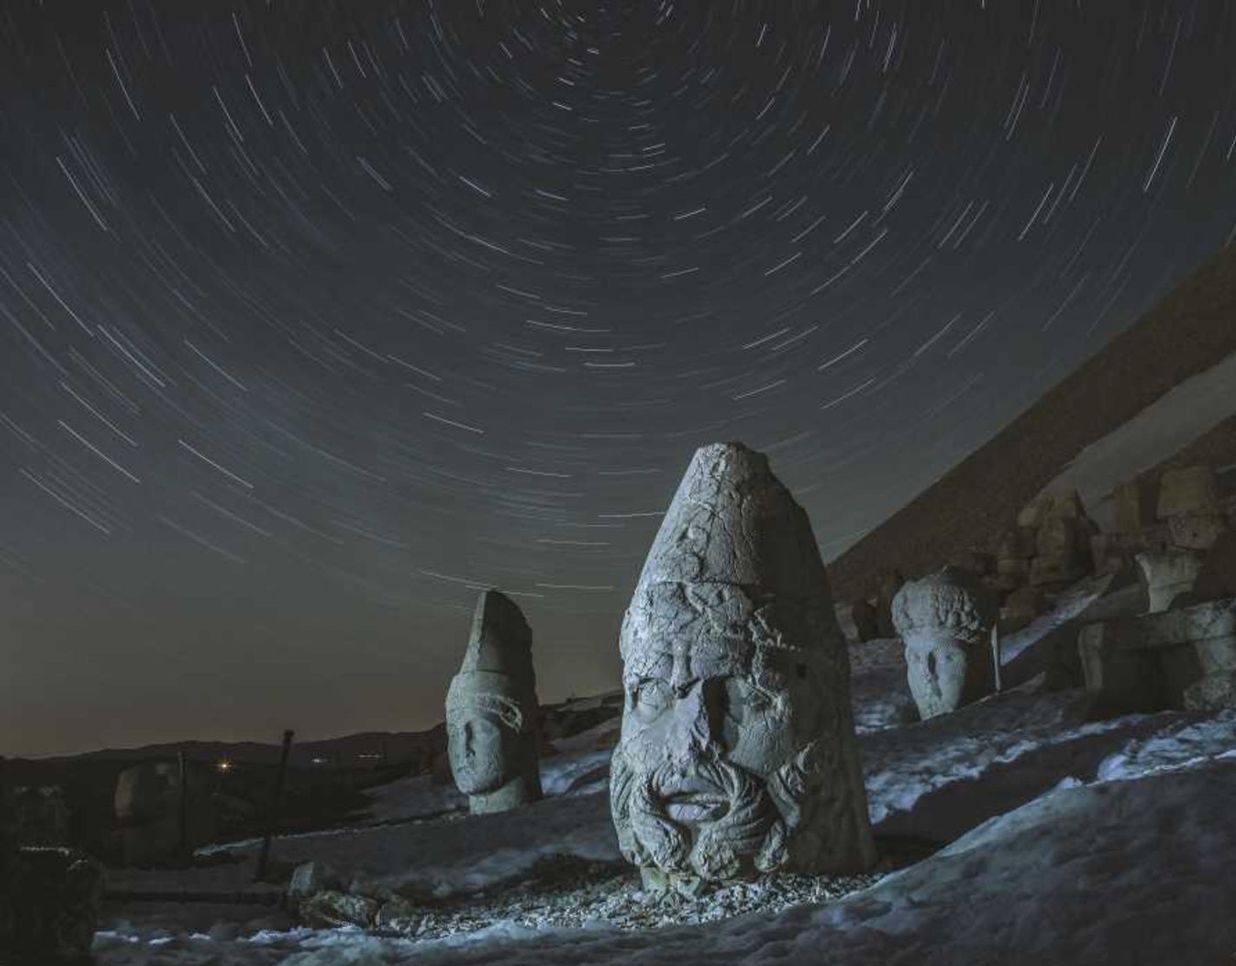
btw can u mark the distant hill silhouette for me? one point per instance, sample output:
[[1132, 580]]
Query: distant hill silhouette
[[1188, 331]]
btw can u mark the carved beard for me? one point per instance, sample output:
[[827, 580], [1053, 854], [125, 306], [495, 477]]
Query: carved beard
[[749, 833]]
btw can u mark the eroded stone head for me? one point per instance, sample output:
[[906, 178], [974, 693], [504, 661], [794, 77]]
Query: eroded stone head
[[737, 752], [945, 620], [491, 710]]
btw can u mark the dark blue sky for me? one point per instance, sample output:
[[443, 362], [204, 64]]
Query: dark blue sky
[[316, 317]]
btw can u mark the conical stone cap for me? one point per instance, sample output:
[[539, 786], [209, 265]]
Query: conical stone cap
[[733, 522], [500, 640], [732, 532]]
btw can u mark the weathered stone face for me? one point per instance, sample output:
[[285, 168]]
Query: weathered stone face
[[945, 620], [491, 710], [737, 752]]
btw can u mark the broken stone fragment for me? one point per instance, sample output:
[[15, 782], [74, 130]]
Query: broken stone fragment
[[945, 620], [399, 915], [331, 909], [737, 755], [1168, 574], [312, 877], [492, 711]]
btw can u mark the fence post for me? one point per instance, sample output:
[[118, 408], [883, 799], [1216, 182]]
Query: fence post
[[183, 776], [272, 818]]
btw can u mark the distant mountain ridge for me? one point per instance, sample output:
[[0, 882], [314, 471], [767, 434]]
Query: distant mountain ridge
[[1189, 330], [366, 746]]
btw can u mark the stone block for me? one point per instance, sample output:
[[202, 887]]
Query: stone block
[[1187, 489], [1135, 507], [1175, 659]]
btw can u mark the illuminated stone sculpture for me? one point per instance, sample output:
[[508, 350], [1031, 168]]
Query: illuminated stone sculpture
[[491, 711], [737, 754], [945, 620]]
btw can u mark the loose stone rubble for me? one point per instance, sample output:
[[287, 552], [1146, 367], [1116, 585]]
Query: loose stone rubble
[[737, 755], [571, 893], [491, 711]]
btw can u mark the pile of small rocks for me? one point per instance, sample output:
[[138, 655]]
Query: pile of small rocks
[[568, 892]]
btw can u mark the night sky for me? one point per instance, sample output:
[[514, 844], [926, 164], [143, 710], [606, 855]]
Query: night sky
[[317, 317]]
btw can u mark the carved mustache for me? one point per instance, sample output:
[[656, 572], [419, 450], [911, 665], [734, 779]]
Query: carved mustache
[[706, 816]]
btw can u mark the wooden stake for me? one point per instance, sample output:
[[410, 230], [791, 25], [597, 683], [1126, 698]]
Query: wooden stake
[[272, 819], [995, 656], [183, 776]]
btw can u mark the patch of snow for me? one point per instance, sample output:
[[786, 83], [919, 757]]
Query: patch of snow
[[1158, 432]]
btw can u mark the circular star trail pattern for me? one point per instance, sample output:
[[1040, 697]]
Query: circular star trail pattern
[[317, 317]]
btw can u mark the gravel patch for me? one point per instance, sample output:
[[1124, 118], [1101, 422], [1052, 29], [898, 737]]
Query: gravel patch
[[567, 892]]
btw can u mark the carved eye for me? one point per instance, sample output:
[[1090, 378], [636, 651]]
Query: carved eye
[[650, 697], [744, 701]]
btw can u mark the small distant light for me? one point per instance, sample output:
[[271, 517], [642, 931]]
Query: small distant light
[[224, 766]]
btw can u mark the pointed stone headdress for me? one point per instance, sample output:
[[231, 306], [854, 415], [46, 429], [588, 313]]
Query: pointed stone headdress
[[733, 532]]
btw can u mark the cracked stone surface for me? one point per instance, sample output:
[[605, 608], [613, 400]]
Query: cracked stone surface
[[737, 755], [945, 620], [491, 710]]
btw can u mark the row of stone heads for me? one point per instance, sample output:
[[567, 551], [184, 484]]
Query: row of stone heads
[[1172, 531]]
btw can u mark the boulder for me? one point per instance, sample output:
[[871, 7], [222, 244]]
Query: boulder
[[331, 909]]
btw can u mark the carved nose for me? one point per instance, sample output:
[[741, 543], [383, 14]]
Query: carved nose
[[693, 722]]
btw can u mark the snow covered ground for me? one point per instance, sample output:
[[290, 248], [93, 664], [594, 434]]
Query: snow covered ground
[[1065, 841], [1156, 433]]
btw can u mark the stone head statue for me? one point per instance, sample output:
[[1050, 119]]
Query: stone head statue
[[945, 620], [491, 710], [737, 753]]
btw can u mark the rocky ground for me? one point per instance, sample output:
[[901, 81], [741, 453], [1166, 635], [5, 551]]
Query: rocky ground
[[565, 892]]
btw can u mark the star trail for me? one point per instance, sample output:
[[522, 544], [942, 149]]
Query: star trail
[[315, 318]]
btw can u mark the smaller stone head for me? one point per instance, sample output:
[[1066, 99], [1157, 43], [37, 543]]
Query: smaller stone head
[[945, 620], [491, 710]]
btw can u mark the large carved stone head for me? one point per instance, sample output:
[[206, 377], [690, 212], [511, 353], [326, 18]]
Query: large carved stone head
[[491, 710], [737, 753]]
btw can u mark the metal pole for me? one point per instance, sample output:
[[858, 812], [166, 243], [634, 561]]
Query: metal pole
[[272, 818], [185, 851]]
